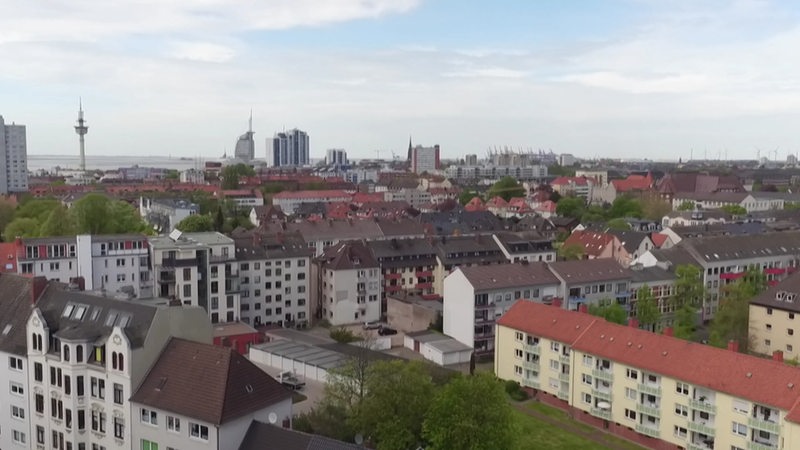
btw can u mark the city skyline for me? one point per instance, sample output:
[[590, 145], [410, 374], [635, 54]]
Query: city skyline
[[626, 79]]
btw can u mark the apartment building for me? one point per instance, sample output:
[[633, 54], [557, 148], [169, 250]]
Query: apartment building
[[244, 199], [474, 297], [525, 246], [593, 281], [199, 269], [13, 158], [724, 259], [18, 295], [215, 410], [661, 284], [413, 196], [463, 251], [289, 201], [406, 265], [347, 284], [114, 264], [275, 278], [165, 213], [86, 355], [656, 390], [772, 322]]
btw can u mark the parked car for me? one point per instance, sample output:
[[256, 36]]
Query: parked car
[[289, 380], [386, 331], [372, 325]]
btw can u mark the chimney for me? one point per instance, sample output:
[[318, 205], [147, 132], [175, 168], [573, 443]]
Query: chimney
[[633, 323], [733, 345], [777, 355], [37, 287], [583, 308], [557, 302], [668, 331]]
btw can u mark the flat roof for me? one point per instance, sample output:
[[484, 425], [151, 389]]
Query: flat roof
[[305, 353]]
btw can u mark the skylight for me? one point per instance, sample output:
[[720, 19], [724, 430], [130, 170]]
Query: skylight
[[7, 329], [68, 310], [79, 312]]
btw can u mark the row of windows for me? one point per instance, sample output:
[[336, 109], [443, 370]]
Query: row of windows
[[196, 430]]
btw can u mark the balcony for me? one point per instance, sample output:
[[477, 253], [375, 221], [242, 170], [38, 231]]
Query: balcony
[[602, 394], [647, 430], [700, 446], [530, 382], [601, 413], [603, 374], [651, 409], [179, 262], [392, 276], [563, 376], [765, 425], [706, 428], [424, 273], [531, 348], [220, 258], [652, 389], [393, 288], [166, 277], [703, 406], [483, 319], [753, 445], [564, 359], [563, 395], [532, 365], [424, 286]]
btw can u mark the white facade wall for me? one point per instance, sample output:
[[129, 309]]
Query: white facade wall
[[343, 301], [15, 428], [458, 312], [290, 204], [264, 301]]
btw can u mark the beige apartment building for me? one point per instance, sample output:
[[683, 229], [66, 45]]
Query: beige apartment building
[[659, 391], [774, 322]]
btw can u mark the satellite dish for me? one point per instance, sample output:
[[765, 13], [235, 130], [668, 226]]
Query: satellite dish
[[359, 439], [604, 405], [273, 418]]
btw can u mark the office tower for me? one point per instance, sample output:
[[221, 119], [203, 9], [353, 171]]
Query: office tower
[[246, 145], [13, 158], [425, 159], [290, 148], [336, 157]]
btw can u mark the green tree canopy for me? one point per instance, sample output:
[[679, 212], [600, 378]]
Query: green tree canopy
[[58, 223], [23, 227], [471, 412], [467, 195], [561, 171], [570, 252], [655, 208], [195, 223], [233, 173], [506, 188], [7, 212], [735, 210], [625, 206], [571, 207], [731, 322], [400, 393], [687, 297], [97, 214], [610, 310], [647, 312], [37, 209], [618, 224], [688, 205], [593, 213]]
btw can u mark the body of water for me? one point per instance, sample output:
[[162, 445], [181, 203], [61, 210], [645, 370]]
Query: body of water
[[53, 163]]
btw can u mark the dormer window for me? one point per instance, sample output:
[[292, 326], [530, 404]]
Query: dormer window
[[100, 354]]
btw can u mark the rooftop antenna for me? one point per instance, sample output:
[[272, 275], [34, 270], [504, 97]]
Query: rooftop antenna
[[81, 129]]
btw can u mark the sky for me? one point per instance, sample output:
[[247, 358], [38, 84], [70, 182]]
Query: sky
[[612, 78]]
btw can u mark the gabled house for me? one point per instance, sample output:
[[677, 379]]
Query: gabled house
[[598, 245]]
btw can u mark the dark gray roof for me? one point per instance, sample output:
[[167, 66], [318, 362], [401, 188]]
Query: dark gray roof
[[725, 248], [348, 255], [16, 303], [524, 242], [630, 239], [677, 256], [463, 249], [461, 222], [720, 229], [502, 276], [98, 317], [650, 274], [257, 245], [390, 248], [783, 295], [590, 270]]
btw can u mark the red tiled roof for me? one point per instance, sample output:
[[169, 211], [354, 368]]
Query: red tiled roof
[[363, 197], [748, 377], [548, 206], [496, 202], [242, 193], [592, 242], [311, 194], [633, 183], [658, 239], [578, 181], [476, 204]]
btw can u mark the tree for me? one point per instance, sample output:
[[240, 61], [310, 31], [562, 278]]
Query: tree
[[625, 206], [687, 205], [232, 174], [734, 210], [97, 214], [347, 384], [400, 393], [555, 197], [506, 188], [467, 195], [687, 296], [618, 224], [23, 227], [570, 207], [570, 252], [219, 220], [731, 322], [125, 218], [594, 213], [647, 312], [37, 209], [195, 223], [655, 208], [471, 413], [7, 211], [609, 310], [58, 223], [560, 171]]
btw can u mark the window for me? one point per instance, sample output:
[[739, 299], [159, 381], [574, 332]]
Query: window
[[17, 389], [173, 424], [769, 311], [98, 388], [518, 353], [554, 364], [739, 429], [67, 385], [586, 398], [630, 414], [633, 374], [680, 432], [17, 412], [681, 410], [119, 428], [118, 394], [38, 372], [790, 331], [149, 416], [630, 394], [39, 434], [518, 370], [149, 445], [39, 403], [769, 327], [18, 437], [99, 421], [15, 363], [518, 336], [198, 431], [587, 379], [79, 385], [587, 360], [555, 346], [79, 353], [81, 419], [682, 388]]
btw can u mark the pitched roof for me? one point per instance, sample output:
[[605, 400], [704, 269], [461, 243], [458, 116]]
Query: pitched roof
[[16, 303], [658, 239], [224, 384], [501, 276], [578, 181], [748, 377], [262, 436], [348, 255], [776, 296], [593, 243], [723, 248], [630, 239], [589, 270], [300, 195]]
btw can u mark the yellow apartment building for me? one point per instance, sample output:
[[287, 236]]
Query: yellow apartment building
[[657, 390], [774, 322]]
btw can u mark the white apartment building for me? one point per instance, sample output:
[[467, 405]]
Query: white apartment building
[[199, 269], [274, 272], [193, 176], [347, 284], [215, 410], [15, 302], [86, 354], [289, 201], [412, 196], [13, 158], [494, 172], [474, 297], [425, 159], [336, 157], [116, 264]]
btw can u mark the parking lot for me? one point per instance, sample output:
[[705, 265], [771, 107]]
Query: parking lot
[[313, 390]]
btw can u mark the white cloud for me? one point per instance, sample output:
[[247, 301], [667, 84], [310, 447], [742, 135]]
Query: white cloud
[[486, 72], [201, 51]]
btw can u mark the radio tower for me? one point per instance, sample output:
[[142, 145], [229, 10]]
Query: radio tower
[[81, 128]]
